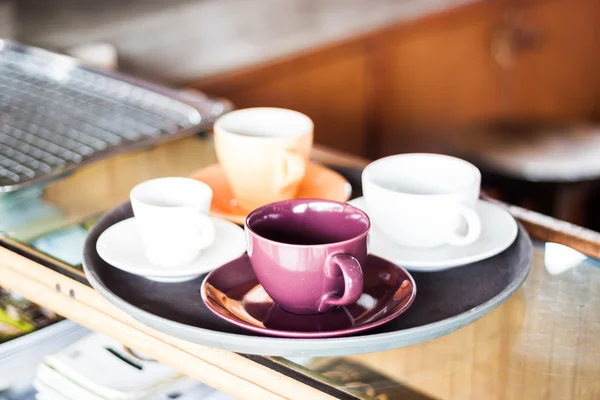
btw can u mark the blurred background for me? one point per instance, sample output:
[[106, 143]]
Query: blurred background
[[511, 85]]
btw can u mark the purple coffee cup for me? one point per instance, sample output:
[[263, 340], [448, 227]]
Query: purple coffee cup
[[307, 253]]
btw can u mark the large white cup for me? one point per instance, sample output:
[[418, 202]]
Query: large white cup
[[423, 200], [172, 219]]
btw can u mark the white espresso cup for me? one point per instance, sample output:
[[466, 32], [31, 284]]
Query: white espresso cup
[[423, 200], [172, 219]]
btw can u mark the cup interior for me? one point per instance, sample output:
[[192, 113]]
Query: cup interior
[[172, 192], [422, 174], [265, 122], [308, 222]]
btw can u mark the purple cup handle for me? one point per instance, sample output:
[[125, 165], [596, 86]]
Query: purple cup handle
[[353, 280]]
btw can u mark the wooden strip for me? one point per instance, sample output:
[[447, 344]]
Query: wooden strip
[[326, 155], [550, 229], [219, 368]]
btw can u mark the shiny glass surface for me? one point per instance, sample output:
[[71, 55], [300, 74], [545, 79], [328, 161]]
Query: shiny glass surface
[[543, 343]]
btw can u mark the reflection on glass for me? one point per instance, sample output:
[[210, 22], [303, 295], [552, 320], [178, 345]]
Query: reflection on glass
[[559, 258]]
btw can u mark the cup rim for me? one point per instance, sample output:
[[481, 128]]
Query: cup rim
[[135, 198], [370, 166], [217, 126], [356, 209]]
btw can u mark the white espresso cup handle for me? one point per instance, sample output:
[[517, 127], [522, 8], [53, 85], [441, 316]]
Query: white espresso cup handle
[[207, 231], [473, 227]]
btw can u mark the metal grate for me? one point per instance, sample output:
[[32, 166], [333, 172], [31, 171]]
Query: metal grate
[[55, 116]]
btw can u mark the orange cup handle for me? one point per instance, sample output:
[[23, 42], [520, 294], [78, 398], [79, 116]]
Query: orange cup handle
[[294, 169]]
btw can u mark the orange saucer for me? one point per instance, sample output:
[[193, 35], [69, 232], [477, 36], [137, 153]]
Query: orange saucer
[[319, 182]]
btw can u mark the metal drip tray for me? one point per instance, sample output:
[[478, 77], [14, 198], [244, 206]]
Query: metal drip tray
[[56, 115]]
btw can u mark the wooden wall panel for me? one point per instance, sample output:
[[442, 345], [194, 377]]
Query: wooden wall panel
[[557, 79], [443, 77], [437, 77]]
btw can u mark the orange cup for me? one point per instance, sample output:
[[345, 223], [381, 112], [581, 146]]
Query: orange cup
[[264, 153]]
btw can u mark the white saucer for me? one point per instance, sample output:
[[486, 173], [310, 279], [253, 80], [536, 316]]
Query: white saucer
[[498, 231], [121, 246]]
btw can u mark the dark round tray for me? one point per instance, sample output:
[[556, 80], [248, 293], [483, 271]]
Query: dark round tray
[[446, 301]]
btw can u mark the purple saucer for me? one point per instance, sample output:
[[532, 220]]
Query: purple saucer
[[233, 293]]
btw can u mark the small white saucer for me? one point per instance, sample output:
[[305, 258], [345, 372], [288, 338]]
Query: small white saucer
[[498, 231], [121, 246]]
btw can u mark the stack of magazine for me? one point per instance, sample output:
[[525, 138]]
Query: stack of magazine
[[99, 368], [27, 332]]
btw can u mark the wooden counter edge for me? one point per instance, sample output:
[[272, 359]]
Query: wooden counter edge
[[221, 369]]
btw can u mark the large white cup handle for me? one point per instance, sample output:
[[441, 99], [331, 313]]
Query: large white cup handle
[[207, 231], [473, 228]]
